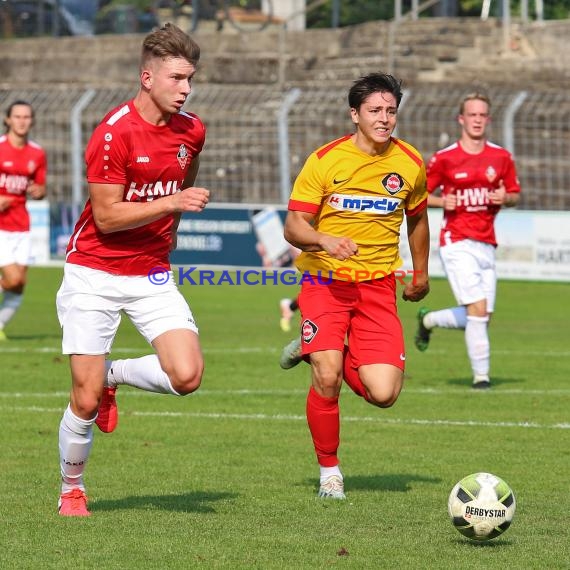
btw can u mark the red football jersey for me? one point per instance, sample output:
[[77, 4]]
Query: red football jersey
[[151, 162], [19, 167], [471, 177]]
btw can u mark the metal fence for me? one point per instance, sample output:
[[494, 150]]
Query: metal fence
[[258, 137]]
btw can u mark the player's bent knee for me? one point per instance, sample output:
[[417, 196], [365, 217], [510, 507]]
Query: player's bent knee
[[384, 403], [383, 399], [186, 381], [189, 387], [85, 407], [327, 382], [15, 286]]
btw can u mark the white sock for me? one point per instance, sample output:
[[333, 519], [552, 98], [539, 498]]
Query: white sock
[[144, 373], [328, 471], [478, 346], [453, 318], [75, 440], [9, 306]]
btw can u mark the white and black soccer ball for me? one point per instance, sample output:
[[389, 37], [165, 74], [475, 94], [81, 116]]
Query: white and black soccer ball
[[481, 506]]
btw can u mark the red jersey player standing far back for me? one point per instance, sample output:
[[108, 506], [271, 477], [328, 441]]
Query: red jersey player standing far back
[[22, 176], [475, 179], [142, 161]]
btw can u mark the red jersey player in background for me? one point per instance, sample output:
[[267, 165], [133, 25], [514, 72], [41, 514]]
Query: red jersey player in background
[[475, 179], [288, 308], [22, 176], [345, 213], [142, 161]]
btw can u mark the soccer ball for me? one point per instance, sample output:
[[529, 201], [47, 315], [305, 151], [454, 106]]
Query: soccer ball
[[481, 506]]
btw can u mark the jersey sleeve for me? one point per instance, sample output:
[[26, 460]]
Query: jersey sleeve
[[435, 173], [198, 130], [40, 173], [510, 178], [308, 190], [106, 156]]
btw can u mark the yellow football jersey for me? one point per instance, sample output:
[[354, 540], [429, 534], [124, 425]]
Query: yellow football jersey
[[362, 197]]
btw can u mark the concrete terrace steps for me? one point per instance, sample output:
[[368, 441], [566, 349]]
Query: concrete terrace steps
[[241, 74], [459, 46]]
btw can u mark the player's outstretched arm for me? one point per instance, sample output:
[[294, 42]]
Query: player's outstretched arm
[[112, 214], [447, 201], [300, 233], [5, 202], [418, 239], [36, 191], [501, 197]]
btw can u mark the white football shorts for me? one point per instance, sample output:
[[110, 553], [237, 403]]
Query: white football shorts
[[15, 247], [470, 269], [89, 305]]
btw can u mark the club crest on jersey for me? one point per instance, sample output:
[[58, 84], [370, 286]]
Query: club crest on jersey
[[182, 156], [393, 183], [31, 166], [491, 174], [308, 330]]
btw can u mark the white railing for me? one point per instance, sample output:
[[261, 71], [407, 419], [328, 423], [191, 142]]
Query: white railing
[[259, 137]]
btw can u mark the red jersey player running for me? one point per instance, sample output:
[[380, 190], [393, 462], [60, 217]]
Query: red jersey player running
[[345, 213], [476, 178], [142, 161], [22, 176]]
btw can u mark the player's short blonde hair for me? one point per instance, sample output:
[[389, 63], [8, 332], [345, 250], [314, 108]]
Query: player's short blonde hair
[[474, 96], [169, 41]]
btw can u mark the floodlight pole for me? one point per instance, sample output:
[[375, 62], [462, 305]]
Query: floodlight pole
[[335, 17], [506, 26], [284, 154], [509, 121], [77, 145]]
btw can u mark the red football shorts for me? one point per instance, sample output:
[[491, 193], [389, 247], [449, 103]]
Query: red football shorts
[[363, 312]]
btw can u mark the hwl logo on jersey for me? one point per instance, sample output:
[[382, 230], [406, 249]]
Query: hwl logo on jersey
[[384, 205], [14, 183], [151, 190], [472, 197]]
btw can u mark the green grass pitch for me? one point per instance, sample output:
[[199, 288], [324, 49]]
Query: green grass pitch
[[226, 477]]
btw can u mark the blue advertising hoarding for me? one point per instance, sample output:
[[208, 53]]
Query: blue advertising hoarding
[[233, 235]]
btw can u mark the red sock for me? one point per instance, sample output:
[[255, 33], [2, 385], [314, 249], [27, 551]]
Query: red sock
[[351, 376], [323, 417]]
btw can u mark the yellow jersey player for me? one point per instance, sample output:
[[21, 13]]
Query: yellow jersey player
[[345, 213]]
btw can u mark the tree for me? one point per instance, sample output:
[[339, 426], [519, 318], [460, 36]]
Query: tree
[[358, 11]]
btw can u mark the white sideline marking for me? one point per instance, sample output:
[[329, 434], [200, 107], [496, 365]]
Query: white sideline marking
[[270, 350], [52, 349], [303, 391], [283, 417]]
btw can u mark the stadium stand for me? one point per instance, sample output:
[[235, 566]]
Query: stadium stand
[[243, 80]]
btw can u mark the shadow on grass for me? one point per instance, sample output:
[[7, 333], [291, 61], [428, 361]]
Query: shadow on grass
[[495, 381], [195, 502], [499, 542], [22, 337], [395, 482]]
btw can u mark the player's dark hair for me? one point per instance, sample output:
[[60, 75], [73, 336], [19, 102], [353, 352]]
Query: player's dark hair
[[374, 83], [11, 108], [170, 41]]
